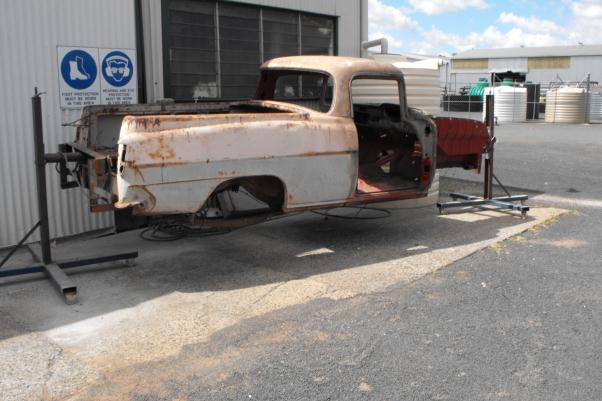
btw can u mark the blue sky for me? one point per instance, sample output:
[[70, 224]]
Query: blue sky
[[449, 26]]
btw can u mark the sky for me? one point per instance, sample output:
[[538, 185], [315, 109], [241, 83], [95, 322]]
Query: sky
[[446, 27]]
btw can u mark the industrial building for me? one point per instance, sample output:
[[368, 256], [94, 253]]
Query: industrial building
[[569, 64], [137, 51]]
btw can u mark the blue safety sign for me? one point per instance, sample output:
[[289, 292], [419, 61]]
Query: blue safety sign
[[78, 69], [117, 68], [91, 75]]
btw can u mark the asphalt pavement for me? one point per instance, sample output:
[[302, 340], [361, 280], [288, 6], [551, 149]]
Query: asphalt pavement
[[518, 321]]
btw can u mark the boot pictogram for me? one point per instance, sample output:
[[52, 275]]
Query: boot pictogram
[[77, 70]]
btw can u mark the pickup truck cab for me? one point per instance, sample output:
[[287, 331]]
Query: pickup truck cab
[[311, 139]]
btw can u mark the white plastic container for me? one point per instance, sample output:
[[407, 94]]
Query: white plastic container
[[566, 105], [422, 84], [510, 103]]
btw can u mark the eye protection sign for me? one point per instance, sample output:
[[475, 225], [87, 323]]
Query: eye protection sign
[[91, 75], [118, 84]]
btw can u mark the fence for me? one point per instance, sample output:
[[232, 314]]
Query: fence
[[460, 99]]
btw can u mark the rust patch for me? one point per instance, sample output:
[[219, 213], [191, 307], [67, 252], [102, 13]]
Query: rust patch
[[138, 173], [222, 173], [394, 318], [164, 150], [102, 208]]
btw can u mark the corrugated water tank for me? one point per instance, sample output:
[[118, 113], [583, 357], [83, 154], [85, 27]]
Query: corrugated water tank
[[479, 88], [566, 105], [421, 79], [595, 105], [510, 103]]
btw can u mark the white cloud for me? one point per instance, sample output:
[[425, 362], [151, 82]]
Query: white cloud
[[383, 17], [586, 24], [445, 6], [529, 24], [588, 9], [580, 23]]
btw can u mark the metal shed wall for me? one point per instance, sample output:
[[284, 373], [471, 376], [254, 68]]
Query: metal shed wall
[[348, 32], [578, 70], [580, 67], [30, 31], [508, 64]]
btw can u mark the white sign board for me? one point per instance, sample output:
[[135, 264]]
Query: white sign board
[[119, 84], [79, 84], [90, 76]]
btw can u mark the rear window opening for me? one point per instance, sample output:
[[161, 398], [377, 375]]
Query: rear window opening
[[306, 89]]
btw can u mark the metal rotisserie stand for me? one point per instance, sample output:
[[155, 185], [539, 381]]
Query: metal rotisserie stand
[[42, 252], [501, 202]]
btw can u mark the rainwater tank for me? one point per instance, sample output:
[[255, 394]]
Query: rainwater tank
[[479, 88], [510, 103], [595, 105], [566, 105], [422, 83]]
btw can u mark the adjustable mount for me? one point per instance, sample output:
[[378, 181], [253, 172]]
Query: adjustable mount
[[42, 253], [502, 202]]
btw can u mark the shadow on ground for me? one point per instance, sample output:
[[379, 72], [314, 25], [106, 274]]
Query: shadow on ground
[[287, 249]]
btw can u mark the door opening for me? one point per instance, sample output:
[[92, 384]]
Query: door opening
[[389, 155]]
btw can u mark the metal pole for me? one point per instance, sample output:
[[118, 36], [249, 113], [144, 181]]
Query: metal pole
[[587, 100], [38, 140], [488, 174]]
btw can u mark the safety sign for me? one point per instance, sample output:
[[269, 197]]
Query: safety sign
[[91, 75], [78, 77], [118, 84]]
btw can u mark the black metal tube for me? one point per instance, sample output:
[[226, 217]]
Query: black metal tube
[[38, 140], [60, 157], [488, 174]]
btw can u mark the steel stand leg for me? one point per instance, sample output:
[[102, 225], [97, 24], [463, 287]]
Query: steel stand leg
[[43, 254], [502, 202], [64, 284]]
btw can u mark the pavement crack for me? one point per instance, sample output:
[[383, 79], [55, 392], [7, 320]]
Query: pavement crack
[[270, 291], [50, 370]]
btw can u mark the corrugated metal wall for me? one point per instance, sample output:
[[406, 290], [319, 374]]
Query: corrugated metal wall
[[579, 68], [348, 32], [508, 64], [30, 31]]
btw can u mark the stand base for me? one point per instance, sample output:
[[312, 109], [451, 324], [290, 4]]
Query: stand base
[[502, 202], [55, 270]]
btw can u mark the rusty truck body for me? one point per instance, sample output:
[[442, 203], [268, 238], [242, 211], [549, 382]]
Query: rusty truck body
[[303, 143]]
